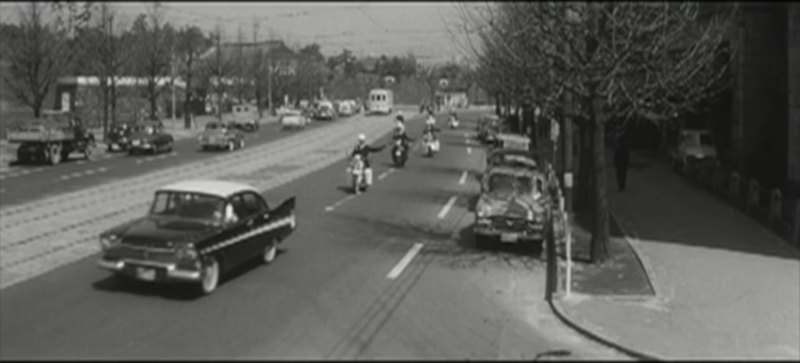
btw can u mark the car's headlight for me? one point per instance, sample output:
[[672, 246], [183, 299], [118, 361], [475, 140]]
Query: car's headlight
[[186, 251], [109, 241]]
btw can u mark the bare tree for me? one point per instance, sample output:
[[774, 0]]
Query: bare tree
[[218, 69], [37, 57], [106, 55], [154, 45], [189, 45], [617, 61]]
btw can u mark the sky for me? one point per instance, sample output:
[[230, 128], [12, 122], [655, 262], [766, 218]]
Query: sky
[[363, 27]]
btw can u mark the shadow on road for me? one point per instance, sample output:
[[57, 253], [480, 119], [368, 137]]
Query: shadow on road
[[174, 290]]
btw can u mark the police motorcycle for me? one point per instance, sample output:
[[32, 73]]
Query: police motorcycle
[[400, 145], [429, 139], [453, 121], [356, 174]]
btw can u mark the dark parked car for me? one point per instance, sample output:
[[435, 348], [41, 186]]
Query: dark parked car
[[150, 137], [119, 136], [195, 231]]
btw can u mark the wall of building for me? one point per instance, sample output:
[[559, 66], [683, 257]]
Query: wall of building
[[760, 110], [793, 43]]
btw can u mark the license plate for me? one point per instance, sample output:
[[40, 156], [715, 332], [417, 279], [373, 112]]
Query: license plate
[[146, 274], [508, 238]]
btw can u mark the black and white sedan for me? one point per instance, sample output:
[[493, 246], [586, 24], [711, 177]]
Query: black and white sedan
[[195, 231]]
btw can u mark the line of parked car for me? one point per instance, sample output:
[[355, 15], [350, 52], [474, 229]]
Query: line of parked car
[[324, 110], [514, 199]]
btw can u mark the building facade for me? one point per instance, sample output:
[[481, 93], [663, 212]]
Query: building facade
[[793, 43], [758, 146]]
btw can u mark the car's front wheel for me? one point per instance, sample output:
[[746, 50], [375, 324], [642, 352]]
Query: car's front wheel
[[210, 276]]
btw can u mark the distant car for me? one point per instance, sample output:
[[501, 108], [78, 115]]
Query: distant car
[[294, 119], [119, 135], [194, 232], [325, 111], [487, 127], [347, 108], [512, 207], [513, 159], [508, 141], [219, 136], [245, 117], [694, 146], [150, 136]]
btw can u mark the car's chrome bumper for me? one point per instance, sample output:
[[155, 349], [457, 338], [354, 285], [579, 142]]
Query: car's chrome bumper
[[164, 271], [533, 232]]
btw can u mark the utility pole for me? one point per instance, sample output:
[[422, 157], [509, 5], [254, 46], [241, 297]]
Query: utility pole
[[239, 65], [219, 73], [257, 68], [568, 149]]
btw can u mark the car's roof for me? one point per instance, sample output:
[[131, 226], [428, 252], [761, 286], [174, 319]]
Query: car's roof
[[503, 169], [220, 188]]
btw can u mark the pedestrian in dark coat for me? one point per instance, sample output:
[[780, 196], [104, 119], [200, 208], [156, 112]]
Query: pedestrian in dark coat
[[621, 155]]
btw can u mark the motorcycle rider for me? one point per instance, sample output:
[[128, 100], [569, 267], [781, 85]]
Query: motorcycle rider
[[400, 134], [364, 150]]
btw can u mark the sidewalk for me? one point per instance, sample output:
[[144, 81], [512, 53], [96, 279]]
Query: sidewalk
[[725, 287]]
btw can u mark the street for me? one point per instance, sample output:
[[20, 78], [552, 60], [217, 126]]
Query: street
[[337, 290]]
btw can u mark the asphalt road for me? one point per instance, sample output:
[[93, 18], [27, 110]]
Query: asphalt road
[[25, 183], [333, 292]]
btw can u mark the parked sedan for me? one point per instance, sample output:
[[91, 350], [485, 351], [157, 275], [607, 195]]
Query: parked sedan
[[294, 119], [220, 136], [194, 232], [150, 137]]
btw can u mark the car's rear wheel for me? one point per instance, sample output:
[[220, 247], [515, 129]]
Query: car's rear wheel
[[270, 252], [210, 276]]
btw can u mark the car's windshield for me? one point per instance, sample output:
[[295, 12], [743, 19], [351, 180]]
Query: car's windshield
[[188, 205], [510, 184]]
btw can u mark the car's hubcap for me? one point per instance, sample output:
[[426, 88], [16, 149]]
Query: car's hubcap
[[231, 146], [210, 277], [270, 252]]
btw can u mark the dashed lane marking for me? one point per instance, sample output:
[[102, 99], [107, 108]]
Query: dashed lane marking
[[334, 205], [159, 157], [447, 207], [398, 269], [83, 173], [463, 178], [386, 173], [469, 150]]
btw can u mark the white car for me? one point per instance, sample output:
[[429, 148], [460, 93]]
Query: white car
[[294, 119], [693, 146]]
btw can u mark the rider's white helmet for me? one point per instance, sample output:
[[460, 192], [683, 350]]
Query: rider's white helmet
[[362, 137]]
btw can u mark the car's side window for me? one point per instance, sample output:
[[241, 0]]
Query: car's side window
[[253, 203], [238, 206]]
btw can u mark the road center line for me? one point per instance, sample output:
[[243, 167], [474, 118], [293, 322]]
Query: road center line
[[463, 178], [332, 207], [398, 269], [469, 150], [386, 173], [447, 207]]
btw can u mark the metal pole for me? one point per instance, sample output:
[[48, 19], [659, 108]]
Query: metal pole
[[568, 288]]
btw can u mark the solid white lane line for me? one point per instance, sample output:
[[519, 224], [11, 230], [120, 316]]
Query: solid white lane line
[[463, 178], [386, 173], [334, 205], [398, 269], [469, 150], [447, 207]]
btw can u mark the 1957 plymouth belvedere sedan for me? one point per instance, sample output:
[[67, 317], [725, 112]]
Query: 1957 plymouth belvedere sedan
[[195, 231]]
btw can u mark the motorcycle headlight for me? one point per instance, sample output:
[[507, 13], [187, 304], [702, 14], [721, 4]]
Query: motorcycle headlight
[[109, 241], [185, 251]]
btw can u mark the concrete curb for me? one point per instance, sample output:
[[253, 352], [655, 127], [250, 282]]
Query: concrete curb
[[555, 305]]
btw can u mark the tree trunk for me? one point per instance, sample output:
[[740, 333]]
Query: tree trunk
[[497, 101], [104, 89], [113, 101], [187, 95], [153, 100], [600, 230]]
